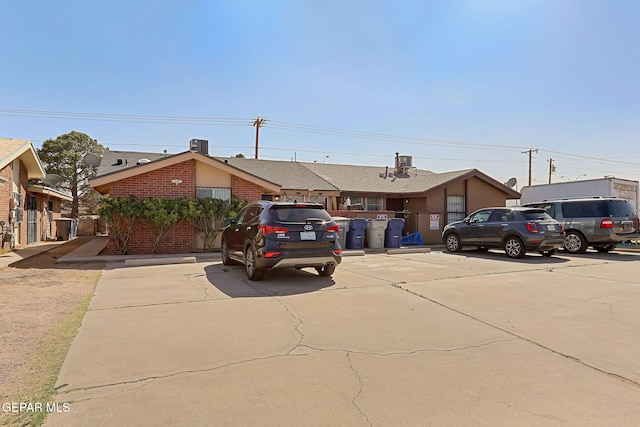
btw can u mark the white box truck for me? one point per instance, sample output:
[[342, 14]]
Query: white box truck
[[603, 187]]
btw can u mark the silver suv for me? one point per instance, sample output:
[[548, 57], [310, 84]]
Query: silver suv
[[597, 221]]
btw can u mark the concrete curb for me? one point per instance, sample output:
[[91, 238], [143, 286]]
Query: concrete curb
[[159, 261], [397, 251]]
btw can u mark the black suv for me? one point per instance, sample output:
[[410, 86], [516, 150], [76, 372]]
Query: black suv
[[601, 222], [276, 235]]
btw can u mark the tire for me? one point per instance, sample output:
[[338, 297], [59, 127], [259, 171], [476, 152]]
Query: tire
[[575, 243], [326, 271], [253, 272], [225, 253], [604, 248], [514, 247], [452, 243]]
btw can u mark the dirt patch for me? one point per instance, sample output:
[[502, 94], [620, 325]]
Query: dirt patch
[[36, 294]]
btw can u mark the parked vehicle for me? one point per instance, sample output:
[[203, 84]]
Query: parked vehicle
[[267, 235], [517, 230], [595, 221], [603, 187]]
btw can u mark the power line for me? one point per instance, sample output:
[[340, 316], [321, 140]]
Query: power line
[[126, 118], [286, 126]]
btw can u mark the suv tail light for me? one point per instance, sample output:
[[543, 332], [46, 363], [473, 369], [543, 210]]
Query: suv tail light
[[271, 229], [532, 227], [333, 229], [606, 223]]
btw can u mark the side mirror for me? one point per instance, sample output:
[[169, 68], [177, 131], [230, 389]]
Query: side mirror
[[467, 220]]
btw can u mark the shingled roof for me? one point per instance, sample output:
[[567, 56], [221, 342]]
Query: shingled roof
[[290, 175], [318, 176]]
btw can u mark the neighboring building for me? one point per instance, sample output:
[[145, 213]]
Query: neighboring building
[[29, 211], [426, 200]]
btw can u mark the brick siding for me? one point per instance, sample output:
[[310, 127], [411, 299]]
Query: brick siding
[[5, 193], [158, 183], [245, 190]]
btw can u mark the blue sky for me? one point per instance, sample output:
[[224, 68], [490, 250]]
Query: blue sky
[[455, 84]]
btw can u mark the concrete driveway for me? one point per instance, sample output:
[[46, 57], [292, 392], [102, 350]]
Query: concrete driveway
[[391, 340]]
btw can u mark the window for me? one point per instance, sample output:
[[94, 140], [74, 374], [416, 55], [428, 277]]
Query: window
[[481, 216], [367, 203], [455, 208], [213, 193], [373, 203]]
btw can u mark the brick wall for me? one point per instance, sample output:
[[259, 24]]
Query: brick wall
[[158, 183], [245, 190], [5, 193], [21, 238], [180, 240]]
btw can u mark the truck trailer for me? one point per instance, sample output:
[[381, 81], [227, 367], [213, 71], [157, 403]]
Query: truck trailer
[[603, 187]]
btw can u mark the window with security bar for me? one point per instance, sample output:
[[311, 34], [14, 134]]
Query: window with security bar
[[213, 193], [455, 208]]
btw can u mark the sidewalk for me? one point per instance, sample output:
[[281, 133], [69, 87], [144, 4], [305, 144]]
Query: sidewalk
[[31, 250]]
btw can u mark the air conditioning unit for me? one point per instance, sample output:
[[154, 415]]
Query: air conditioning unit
[[405, 161], [200, 146]]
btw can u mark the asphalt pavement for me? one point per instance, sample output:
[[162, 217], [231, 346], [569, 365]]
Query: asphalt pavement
[[405, 339]]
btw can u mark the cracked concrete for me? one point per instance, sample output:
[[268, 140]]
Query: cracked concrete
[[411, 339]]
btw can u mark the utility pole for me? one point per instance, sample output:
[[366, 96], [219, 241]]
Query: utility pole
[[258, 122], [552, 168], [530, 151]]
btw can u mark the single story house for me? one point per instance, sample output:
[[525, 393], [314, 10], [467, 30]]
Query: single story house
[[426, 200], [28, 211]]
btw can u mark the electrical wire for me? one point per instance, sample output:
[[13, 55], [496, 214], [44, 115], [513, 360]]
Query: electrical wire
[[296, 127]]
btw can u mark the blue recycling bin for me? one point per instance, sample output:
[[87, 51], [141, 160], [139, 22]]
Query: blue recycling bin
[[393, 234], [355, 236]]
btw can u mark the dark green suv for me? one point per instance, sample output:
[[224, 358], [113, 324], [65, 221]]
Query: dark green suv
[[601, 222]]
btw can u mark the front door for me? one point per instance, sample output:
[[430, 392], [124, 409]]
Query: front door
[[32, 219]]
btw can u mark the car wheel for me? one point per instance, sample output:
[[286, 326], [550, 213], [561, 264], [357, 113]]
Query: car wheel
[[452, 242], [326, 271], [226, 260], [514, 247], [604, 248], [253, 272], [575, 243]]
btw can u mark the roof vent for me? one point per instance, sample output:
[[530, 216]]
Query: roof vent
[[141, 161], [200, 146]]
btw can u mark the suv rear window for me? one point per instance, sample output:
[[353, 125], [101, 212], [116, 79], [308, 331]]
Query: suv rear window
[[538, 214], [584, 209], [298, 213], [620, 208]]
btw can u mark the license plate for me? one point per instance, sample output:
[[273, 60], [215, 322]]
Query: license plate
[[551, 227], [307, 235], [626, 226]]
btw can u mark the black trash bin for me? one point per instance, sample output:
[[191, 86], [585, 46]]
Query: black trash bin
[[393, 234], [355, 236]]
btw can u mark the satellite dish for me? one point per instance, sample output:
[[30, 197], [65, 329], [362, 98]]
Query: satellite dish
[[512, 182], [51, 179], [91, 160]]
